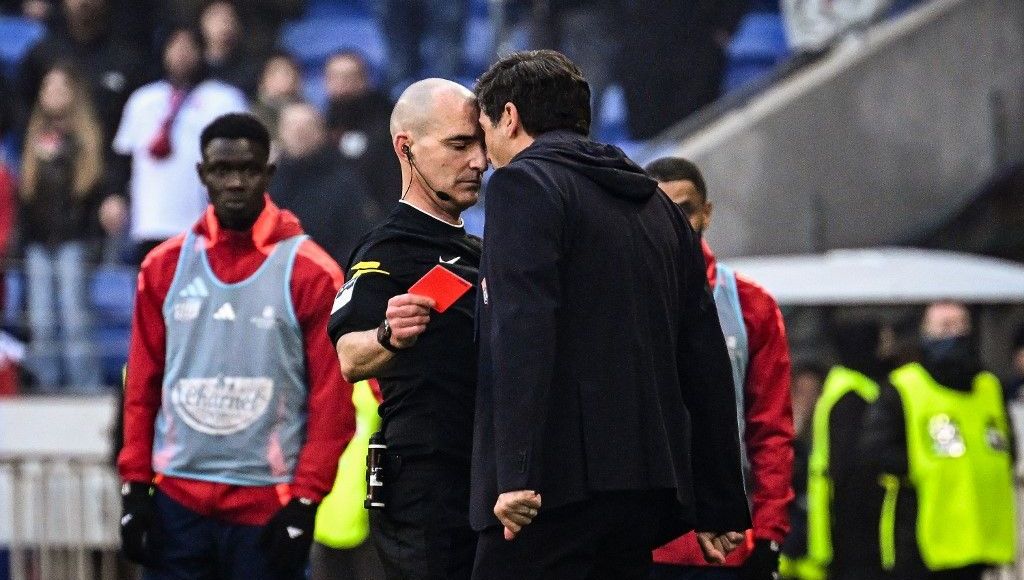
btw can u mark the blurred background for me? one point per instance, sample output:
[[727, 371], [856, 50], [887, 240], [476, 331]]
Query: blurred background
[[865, 157]]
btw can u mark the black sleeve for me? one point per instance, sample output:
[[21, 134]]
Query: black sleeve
[[883, 440], [117, 175], [523, 250], [844, 425], [709, 395], [374, 277]]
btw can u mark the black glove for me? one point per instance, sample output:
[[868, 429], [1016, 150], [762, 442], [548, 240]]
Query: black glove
[[288, 535], [138, 520], [763, 562]]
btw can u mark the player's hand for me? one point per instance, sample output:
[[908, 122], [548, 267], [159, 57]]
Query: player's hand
[[408, 315], [717, 546], [516, 510], [288, 535], [138, 522]]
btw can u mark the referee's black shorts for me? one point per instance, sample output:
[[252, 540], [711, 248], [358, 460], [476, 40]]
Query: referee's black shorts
[[424, 533]]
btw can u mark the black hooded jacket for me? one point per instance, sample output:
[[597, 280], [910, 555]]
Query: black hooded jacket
[[603, 366]]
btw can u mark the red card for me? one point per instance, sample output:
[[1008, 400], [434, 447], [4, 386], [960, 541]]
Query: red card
[[441, 284]]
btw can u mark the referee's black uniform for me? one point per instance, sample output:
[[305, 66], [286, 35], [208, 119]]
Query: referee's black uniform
[[428, 390]]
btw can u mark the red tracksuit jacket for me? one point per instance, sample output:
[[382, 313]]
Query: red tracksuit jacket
[[233, 257], [769, 433]]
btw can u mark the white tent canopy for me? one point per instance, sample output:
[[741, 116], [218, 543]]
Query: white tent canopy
[[885, 276]]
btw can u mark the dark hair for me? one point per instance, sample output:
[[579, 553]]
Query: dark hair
[[678, 169], [548, 90], [236, 126], [1018, 339]]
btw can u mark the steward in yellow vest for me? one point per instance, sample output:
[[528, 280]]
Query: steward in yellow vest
[[842, 499], [939, 440]]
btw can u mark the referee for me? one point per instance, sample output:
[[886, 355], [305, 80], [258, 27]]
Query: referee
[[425, 361]]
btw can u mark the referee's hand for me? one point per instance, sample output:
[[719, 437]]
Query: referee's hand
[[408, 315]]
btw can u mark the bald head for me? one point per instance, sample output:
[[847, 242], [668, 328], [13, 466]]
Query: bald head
[[426, 102]]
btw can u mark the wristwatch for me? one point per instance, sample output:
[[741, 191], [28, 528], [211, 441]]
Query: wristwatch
[[384, 336]]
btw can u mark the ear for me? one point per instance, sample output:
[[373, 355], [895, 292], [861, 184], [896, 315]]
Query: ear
[[398, 143], [709, 209], [201, 172], [510, 121], [271, 169]]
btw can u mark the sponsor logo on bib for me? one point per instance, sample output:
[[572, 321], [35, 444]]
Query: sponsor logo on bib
[[221, 405], [186, 310]]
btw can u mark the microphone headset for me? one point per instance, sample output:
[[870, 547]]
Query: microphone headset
[[440, 194]]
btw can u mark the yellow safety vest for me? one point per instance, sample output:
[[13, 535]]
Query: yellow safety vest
[[341, 521], [959, 463], [838, 383]]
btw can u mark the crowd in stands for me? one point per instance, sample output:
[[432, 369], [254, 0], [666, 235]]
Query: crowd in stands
[[102, 103]]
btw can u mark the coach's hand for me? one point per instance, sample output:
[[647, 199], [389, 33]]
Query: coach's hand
[[138, 520], [516, 510], [717, 546], [288, 535], [408, 315]]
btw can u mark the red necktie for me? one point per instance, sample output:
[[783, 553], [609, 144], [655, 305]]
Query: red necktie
[[160, 147]]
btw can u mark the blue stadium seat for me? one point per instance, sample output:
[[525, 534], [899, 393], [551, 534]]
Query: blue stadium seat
[[112, 348], [14, 298], [111, 292], [312, 40], [333, 8], [17, 36], [757, 47]]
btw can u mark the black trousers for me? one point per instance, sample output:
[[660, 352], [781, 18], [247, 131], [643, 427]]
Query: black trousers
[[424, 533], [607, 537]]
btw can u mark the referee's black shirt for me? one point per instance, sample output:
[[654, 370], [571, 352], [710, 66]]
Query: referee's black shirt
[[429, 388]]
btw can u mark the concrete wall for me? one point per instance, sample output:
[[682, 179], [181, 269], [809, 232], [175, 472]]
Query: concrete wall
[[886, 137]]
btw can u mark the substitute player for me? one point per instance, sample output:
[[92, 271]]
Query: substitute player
[[235, 408], [756, 337]]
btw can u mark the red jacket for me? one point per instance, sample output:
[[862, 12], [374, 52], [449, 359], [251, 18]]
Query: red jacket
[[233, 257], [769, 433]]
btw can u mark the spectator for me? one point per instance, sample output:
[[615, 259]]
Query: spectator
[[85, 36], [410, 24], [326, 192], [359, 119], [62, 169], [160, 132], [227, 58], [938, 440], [675, 66], [280, 85], [570, 26]]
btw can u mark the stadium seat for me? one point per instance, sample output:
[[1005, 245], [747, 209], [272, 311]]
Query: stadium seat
[[111, 292], [312, 40], [757, 47], [17, 36], [334, 8]]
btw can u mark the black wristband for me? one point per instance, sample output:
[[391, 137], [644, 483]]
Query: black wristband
[[384, 336]]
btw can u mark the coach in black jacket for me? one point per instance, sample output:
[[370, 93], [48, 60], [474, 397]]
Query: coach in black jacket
[[606, 420]]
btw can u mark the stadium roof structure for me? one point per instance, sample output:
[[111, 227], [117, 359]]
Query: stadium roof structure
[[885, 276]]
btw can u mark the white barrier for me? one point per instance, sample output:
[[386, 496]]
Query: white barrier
[[59, 500]]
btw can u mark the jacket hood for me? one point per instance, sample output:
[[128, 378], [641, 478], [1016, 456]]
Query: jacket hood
[[604, 164]]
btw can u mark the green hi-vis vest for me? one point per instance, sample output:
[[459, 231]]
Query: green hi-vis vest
[[959, 463], [341, 521], [838, 383], [800, 569]]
